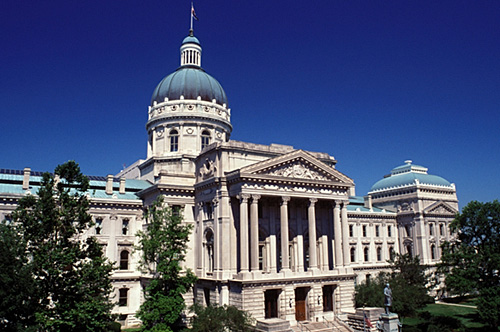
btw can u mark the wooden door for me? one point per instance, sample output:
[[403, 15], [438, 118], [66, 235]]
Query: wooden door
[[300, 303], [271, 303]]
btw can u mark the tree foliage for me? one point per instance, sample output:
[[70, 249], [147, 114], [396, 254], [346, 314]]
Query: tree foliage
[[409, 282], [66, 275], [163, 247], [220, 319], [471, 263]]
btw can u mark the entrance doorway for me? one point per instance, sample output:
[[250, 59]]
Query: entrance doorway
[[271, 302], [301, 303]]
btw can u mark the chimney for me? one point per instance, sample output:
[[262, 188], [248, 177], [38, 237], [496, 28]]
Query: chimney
[[109, 185], [26, 178], [368, 202], [122, 186]]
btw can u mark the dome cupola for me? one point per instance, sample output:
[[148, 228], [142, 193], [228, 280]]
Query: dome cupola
[[188, 108]]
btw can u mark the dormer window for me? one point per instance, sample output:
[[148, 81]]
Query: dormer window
[[174, 140]]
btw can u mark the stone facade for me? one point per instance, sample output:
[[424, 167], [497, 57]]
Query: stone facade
[[278, 231]]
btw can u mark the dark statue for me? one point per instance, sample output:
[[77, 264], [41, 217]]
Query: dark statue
[[388, 298]]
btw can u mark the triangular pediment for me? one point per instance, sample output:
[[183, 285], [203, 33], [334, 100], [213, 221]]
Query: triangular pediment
[[297, 165], [440, 208]]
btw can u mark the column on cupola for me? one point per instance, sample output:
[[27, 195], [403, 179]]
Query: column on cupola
[[244, 232], [311, 216], [284, 233], [254, 233], [345, 232], [337, 234]]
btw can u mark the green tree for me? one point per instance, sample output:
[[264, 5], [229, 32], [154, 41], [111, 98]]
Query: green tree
[[471, 262], [163, 247], [66, 272], [18, 298], [410, 284], [220, 319]]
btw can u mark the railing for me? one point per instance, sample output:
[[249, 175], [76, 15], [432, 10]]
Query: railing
[[342, 322], [302, 326], [331, 324]]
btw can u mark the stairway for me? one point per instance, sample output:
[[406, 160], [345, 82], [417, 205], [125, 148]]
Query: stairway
[[319, 327]]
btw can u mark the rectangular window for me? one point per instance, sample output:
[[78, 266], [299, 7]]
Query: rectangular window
[[125, 226], [123, 299], [98, 226], [351, 230], [389, 231], [364, 231], [377, 231]]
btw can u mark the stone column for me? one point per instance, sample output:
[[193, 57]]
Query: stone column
[[345, 232], [244, 232], [284, 233], [337, 230], [311, 216], [199, 222], [254, 233], [272, 240], [325, 262]]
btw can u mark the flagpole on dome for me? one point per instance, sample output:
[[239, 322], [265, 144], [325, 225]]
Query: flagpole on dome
[[193, 15]]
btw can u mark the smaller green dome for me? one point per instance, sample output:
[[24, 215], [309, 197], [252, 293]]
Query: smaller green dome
[[191, 39], [409, 174]]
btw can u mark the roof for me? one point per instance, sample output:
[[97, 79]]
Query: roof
[[409, 175], [190, 82], [191, 39], [11, 182], [357, 204]]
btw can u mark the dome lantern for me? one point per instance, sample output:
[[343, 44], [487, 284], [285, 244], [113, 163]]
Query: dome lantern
[[191, 51]]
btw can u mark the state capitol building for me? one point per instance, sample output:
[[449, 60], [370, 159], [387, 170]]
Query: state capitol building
[[277, 231]]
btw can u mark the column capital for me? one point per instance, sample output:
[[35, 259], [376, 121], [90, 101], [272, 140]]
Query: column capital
[[312, 201], [255, 198], [285, 200], [243, 197]]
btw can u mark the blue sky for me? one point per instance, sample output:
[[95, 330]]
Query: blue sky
[[373, 83]]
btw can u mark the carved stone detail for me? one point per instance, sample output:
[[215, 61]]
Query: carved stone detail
[[297, 171], [208, 169]]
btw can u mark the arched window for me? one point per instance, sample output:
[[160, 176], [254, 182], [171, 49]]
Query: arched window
[[209, 247], [174, 140], [366, 252], [205, 138], [124, 260], [123, 297], [353, 255], [409, 251], [379, 254]]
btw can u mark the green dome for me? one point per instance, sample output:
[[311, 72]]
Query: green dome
[[191, 82], [408, 174]]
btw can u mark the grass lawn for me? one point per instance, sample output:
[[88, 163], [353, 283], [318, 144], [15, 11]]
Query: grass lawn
[[468, 316]]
